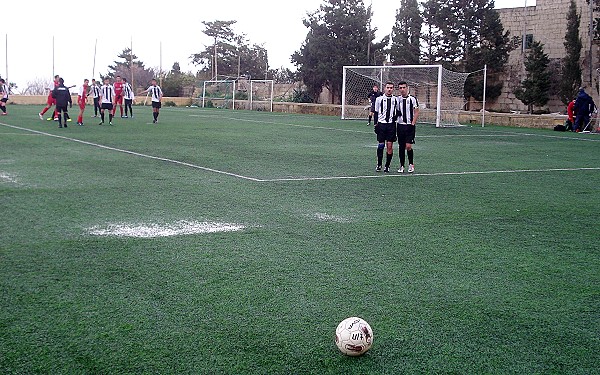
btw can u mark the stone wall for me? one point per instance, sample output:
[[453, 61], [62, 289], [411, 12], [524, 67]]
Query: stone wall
[[465, 117], [546, 22]]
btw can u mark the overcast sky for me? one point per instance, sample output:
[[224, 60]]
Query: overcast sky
[[29, 27]]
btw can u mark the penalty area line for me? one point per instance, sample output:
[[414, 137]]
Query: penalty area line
[[464, 173], [134, 153]]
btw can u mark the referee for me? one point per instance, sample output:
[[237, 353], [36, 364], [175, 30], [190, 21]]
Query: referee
[[386, 107], [408, 113]]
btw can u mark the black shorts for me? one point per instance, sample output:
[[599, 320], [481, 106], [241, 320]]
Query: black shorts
[[385, 132], [4, 100], [155, 104], [108, 106], [406, 134]]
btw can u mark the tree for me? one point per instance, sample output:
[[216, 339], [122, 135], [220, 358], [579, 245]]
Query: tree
[[231, 54], [338, 35], [177, 83], [467, 34], [39, 86], [535, 87], [571, 70], [432, 35], [130, 68], [406, 34]]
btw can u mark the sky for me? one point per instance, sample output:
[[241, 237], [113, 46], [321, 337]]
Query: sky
[[159, 34]]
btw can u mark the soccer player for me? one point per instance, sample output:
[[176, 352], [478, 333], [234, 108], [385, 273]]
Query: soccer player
[[372, 96], [62, 96], [96, 95], [386, 107], [408, 113], [157, 94], [50, 101], [118, 95], [82, 100], [4, 94], [128, 95], [107, 99]]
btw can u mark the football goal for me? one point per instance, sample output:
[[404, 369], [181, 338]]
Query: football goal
[[255, 94], [218, 94], [440, 92]]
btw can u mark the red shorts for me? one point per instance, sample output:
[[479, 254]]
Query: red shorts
[[119, 99], [51, 100], [82, 103]]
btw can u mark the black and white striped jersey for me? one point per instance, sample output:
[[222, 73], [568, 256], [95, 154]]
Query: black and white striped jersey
[[127, 92], [156, 93], [386, 108], [406, 109], [107, 92]]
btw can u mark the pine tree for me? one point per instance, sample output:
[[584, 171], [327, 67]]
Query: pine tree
[[468, 34], [338, 35], [406, 34], [534, 90], [571, 70]]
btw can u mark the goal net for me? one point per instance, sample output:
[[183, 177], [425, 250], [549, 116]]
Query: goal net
[[440, 92], [255, 95], [218, 94]]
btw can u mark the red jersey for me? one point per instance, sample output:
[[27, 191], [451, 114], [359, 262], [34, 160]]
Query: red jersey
[[570, 110], [118, 88]]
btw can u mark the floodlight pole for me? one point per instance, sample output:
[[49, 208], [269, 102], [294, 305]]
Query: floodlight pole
[[484, 88]]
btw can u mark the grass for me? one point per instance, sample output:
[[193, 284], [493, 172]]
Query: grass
[[484, 261]]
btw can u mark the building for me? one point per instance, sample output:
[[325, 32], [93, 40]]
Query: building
[[546, 22]]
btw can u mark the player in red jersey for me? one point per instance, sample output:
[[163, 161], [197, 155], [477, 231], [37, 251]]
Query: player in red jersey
[[118, 94], [50, 101], [84, 91]]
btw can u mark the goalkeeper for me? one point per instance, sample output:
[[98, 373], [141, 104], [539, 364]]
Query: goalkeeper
[[373, 95]]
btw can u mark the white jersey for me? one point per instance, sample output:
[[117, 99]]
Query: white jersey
[[127, 91], [386, 108], [107, 93], [406, 109], [156, 93], [82, 91]]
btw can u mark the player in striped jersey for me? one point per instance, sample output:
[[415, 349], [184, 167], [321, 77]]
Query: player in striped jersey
[[157, 94], [128, 96], [408, 113], [4, 94], [82, 100], [107, 99], [95, 92], [386, 107]]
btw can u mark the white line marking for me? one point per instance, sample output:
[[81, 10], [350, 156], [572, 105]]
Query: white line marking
[[430, 174], [291, 179], [134, 153]]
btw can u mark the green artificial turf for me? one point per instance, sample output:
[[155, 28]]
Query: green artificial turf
[[486, 260]]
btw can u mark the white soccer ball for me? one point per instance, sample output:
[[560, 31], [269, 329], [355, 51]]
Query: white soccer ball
[[353, 336]]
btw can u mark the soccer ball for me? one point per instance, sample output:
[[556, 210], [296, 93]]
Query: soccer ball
[[353, 336]]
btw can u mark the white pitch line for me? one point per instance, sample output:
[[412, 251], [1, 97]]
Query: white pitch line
[[429, 174], [291, 179], [134, 153]]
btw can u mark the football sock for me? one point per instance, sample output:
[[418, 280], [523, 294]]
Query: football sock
[[121, 108], [388, 159], [80, 119], [402, 156], [410, 156], [155, 115], [44, 110], [102, 116], [3, 108], [380, 153], [370, 119], [110, 117]]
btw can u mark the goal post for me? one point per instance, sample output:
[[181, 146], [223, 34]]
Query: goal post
[[261, 94], [219, 94], [440, 91]]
